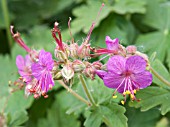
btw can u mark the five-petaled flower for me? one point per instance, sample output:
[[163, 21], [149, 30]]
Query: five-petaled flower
[[126, 75], [41, 71]]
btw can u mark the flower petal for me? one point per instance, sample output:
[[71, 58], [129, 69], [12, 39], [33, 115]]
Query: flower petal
[[28, 61], [115, 81], [112, 44], [101, 73], [141, 80], [45, 59], [20, 62], [135, 64], [116, 64], [37, 70]]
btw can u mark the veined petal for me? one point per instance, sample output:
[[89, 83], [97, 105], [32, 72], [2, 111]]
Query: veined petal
[[116, 64], [28, 60], [101, 73], [45, 59], [141, 80], [112, 44], [20, 62], [115, 81], [37, 70], [135, 64]]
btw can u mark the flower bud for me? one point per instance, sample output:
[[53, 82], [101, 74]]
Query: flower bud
[[57, 76], [67, 72], [73, 50], [78, 66], [83, 51], [89, 71], [131, 49], [60, 55], [97, 65]]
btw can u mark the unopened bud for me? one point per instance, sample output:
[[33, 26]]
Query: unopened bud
[[83, 51], [89, 72], [60, 55], [97, 65], [67, 72], [58, 76], [131, 49], [73, 50], [78, 66]]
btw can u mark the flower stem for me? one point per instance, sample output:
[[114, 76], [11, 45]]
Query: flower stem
[[86, 90], [160, 77], [7, 21], [74, 93]]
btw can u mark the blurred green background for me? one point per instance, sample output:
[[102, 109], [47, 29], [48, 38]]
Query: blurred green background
[[144, 23]]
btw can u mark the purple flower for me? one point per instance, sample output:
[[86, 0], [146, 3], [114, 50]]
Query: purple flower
[[126, 75], [112, 46], [42, 72], [24, 67]]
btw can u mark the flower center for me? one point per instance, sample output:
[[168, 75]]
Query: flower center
[[127, 73]]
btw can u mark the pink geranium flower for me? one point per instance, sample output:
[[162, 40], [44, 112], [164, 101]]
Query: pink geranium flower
[[42, 73], [126, 75]]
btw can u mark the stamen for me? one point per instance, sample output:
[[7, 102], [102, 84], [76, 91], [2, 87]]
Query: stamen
[[59, 41], [69, 27], [19, 40], [123, 102], [104, 57], [93, 24], [115, 96]]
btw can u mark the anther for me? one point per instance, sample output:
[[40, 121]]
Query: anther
[[115, 96]]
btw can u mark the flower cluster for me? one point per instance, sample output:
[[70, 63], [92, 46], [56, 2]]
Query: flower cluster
[[125, 71]]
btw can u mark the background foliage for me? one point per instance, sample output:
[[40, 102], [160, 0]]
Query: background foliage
[[144, 23]]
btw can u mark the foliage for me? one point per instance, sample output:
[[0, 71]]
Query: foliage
[[145, 24]]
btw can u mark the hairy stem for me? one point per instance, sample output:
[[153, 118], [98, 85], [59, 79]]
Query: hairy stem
[[74, 93], [160, 77], [86, 90], [7, 21]]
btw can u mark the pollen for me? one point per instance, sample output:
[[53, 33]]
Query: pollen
[[115, 96], [9, 82], [123, 102], [127, 92], [134, 91], [132, 96]]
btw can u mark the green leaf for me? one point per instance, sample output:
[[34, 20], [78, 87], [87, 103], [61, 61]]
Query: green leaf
[[86, 14], [160, 37], [20, 118], [112, 115], [129, 6], [113, 30], [158, 66], [101, 93], [56, 115], [38, 10], [152, 97], [157, 10], [163, 122], [136, 118], [94, 120]]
